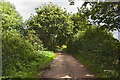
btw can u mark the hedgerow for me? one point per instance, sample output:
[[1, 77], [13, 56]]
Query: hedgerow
[[20, 59], [98, 49]]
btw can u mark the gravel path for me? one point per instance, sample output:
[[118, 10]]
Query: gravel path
[[66, 66]]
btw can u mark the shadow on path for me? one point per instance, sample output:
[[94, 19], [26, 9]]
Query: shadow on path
[[66, 66]]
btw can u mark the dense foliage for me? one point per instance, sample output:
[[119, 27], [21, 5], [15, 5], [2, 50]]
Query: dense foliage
[[11, 19], [52, 24], [101, 12], [105, 14], [97, 48], [93, 44], [34, 40], [20, 57], [80, 22], [24, 44]]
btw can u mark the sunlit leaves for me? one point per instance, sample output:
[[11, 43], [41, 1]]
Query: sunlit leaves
[[103, 14], [49, 22], [11, 19], [80, 22]]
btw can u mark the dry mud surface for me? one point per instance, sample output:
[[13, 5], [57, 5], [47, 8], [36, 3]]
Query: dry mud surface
[[66, 66]]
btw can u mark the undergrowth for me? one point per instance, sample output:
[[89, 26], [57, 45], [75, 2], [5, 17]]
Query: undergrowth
[[20, 57], [98, 50]]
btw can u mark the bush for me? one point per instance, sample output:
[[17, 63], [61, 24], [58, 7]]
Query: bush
[[20, 59], [34, 40], [98, 48]]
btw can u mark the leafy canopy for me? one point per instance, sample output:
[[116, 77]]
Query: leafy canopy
[[11, 19], [51, 23], [103, 14]]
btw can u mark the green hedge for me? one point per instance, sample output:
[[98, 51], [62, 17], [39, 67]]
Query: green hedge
[[98, 50], [20, 57]]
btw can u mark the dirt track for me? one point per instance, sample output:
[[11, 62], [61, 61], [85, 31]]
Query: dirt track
[[66, 66]]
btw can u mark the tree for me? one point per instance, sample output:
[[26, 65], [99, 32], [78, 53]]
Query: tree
[[11, 19], [71, 2], [80, 22], [103, 14], [34, 40], [52, 24]]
